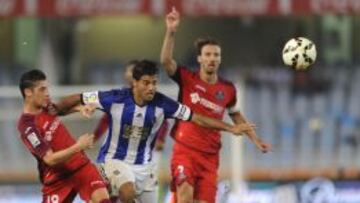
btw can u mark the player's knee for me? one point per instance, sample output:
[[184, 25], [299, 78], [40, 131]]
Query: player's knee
[[100, 196], [184, 193], [127, 192]]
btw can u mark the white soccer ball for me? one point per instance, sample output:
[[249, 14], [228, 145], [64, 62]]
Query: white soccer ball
[[299, 53]]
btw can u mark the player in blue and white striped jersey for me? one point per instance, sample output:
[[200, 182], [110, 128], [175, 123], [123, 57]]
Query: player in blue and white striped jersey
[[136, 114]]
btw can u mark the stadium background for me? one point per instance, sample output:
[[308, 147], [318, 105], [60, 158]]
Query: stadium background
[[311, 118]]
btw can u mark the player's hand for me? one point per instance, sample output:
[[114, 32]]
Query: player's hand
[[86, 141], [86, 110], [240, 129], [263, 147], [172, 20]]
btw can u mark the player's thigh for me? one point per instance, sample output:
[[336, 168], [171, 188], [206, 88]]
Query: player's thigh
[[59, 193], [182, 168], [206, 186], [119, 174], [90, 184]]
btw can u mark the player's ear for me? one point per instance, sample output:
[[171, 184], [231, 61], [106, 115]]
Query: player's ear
[[199, 58], [28, 92]]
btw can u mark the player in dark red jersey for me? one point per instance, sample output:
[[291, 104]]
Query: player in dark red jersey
[[195, 160], [64, 169]]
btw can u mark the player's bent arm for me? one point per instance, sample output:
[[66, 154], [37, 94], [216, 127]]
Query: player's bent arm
[[166, 57], [207, 122], [68, 104], [52, 158]]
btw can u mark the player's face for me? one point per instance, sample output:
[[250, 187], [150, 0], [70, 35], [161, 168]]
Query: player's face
[[210, 58], [39, 94], [146, 87]]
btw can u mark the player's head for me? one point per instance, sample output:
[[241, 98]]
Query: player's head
[[208, 54], [145, 79], [128, 71], [34, 88]]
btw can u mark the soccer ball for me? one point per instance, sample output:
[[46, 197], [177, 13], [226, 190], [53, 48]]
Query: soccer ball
[[299, 53]]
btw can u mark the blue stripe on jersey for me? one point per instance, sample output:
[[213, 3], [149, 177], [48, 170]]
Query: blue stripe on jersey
[[126, 119], [153, 144], [105, 147], [148, 123]]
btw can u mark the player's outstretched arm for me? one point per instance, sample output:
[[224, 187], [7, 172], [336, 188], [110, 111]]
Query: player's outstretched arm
[[238, 118], [172, 22], [208, 122], [84, 142]]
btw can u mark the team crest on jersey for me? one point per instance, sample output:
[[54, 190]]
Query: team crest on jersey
[[219, 95]]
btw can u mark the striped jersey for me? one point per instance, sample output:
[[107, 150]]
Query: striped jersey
[[132, 128]]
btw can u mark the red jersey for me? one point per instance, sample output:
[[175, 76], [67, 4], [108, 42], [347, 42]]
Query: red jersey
[[206, 99], [42, 132]]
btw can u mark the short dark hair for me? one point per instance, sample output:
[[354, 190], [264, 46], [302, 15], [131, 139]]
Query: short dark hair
[[144, 67], [29, 78], [201, 42]]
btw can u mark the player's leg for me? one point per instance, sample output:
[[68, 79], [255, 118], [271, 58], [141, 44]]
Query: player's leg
[[183, 174], [206, 185], [90, 185], [127, 192], [184, 193], [122, 180], [61, 191], [146, 183]]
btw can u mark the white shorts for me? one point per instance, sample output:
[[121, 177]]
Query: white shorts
[[118, 172]]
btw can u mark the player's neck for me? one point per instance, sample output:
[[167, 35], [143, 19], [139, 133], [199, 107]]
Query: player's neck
[[30, 108], [137, 98], [210, 78]]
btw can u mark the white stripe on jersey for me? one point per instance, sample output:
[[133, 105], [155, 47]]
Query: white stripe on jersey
[[159, 115], [116, 112], [135, 139]]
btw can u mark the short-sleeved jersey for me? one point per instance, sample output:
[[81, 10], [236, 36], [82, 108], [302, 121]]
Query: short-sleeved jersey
[[133, 128], [206, 99], [42, 132]]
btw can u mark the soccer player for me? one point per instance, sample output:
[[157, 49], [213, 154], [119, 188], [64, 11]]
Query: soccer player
[[136, 114], [64, 168], [195, 160]]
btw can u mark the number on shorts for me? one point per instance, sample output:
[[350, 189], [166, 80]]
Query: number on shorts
[[180, 168], [52, 199]]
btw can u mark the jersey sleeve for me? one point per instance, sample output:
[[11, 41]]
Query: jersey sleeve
[[233, 106], [180, 74], [32, 139], [101, 99], [173, 109]]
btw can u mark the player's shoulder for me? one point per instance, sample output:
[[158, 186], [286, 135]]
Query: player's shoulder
[[25, 121], [186, 70], [226, 82], [120, 94], [161, 99]]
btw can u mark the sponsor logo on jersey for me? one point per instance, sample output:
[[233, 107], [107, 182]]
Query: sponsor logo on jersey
[[45, 125], [195, 98], [53, 127]]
